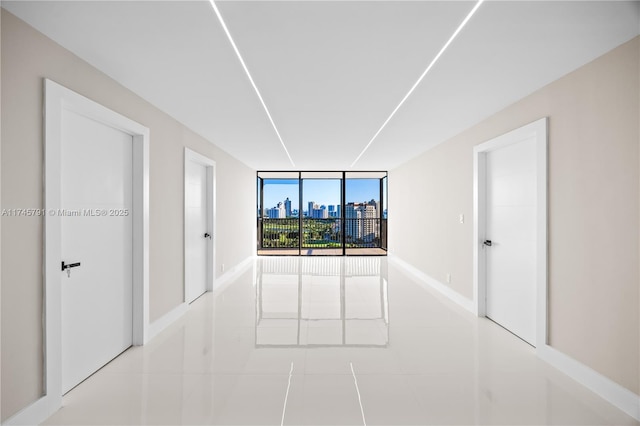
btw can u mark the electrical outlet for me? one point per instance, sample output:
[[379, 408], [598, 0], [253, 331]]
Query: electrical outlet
[[461, 217], [448, 278]]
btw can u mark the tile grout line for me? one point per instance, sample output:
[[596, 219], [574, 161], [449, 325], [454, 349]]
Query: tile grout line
[[355, 381]]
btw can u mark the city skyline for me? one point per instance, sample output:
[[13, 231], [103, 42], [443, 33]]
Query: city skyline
[[320, 191]]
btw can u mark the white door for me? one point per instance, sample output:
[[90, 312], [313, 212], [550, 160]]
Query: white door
[[197, 232], [96, 202], [511, 229]]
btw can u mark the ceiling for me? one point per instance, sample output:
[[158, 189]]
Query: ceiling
[[332, 72]]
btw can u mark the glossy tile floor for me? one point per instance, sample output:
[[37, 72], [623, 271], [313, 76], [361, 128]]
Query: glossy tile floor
[[331, 341]]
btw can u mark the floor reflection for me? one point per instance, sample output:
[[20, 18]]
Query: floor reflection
[[312, 302], [306, 341]]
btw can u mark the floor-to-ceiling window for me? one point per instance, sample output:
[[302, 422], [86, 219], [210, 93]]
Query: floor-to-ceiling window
[[279, 212], [321, 213], [363, 211]]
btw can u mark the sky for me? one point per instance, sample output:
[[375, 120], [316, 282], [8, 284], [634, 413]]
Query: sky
[[320, 191]]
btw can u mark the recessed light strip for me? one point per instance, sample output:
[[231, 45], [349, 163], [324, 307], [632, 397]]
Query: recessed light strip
[[246, 70], [446, 45], [355, 381]]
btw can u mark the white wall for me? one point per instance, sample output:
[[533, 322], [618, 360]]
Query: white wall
[[594, 197], [27, 58]]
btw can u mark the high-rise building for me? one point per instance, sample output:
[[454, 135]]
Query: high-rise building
[[277, 212], [352, 215], [320, 213], [361, 223], [287, 207], [369, 224], [376, 204], [312, 206]]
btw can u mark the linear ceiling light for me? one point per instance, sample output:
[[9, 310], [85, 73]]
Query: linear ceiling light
[[473, 11], [246, 70]]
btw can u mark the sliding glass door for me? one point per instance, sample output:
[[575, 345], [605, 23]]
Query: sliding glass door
[[362, 212], [321, 195], [278, 213]]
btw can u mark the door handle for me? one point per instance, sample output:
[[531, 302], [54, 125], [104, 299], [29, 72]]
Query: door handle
[[67, 267], [207, 235], [487, 243]]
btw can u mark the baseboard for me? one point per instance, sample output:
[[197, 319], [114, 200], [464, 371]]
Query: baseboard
[[433, 284], [33, 414], [166, 320], [604, 387], [219, 283], [223, 281]]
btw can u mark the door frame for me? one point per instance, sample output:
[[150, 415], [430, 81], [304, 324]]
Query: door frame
[[58, 98], [210, 165], [539, 131]]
